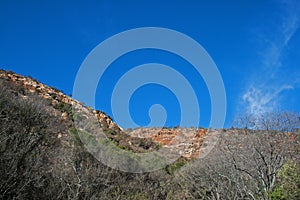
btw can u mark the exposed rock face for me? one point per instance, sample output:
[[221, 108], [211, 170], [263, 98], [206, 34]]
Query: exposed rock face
[[186, 141], [55, 96]]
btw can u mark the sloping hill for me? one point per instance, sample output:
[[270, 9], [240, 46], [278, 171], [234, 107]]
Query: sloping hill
[[43, 156], [187, 140]]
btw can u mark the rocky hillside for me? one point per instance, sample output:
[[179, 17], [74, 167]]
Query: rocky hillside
[[43, 156], [187, 141], [58, 98]]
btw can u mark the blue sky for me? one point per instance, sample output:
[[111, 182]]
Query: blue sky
[[254, 43]]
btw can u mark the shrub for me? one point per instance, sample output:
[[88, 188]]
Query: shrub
[[288, 186]]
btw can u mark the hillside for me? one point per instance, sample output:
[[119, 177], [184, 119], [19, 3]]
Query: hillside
[[44, 155], [189, 142]]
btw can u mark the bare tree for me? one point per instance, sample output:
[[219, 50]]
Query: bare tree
[[286, 121], [245, 164]]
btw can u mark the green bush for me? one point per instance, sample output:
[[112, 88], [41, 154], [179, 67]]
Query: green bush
[[288, 186], [170, 169], [64, 107]]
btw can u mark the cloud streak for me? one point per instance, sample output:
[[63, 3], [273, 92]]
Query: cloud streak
[[260, 100], [263, 94]]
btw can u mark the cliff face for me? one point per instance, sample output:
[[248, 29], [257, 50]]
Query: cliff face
[[186, 141]]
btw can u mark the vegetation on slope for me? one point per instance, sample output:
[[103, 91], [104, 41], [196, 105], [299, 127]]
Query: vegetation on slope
[[42, 157]]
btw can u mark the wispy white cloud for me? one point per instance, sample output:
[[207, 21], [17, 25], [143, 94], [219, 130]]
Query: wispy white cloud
[[288, 26], [291, 22], [261, 100], [263, 94]]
